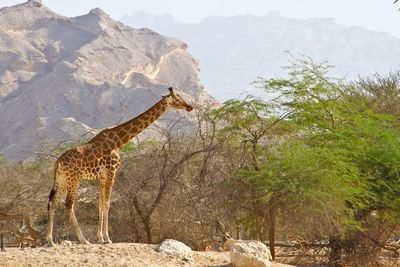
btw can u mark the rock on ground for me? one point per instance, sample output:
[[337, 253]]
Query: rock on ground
[[250, 254], [176, 248]]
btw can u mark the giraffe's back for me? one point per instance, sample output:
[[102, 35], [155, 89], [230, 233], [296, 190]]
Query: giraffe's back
[[87, 162]]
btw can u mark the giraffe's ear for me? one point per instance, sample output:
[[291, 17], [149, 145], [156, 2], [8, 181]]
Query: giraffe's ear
[[171, 90]]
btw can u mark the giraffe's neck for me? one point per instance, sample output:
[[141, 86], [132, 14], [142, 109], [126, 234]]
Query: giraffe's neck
[[119, 135]]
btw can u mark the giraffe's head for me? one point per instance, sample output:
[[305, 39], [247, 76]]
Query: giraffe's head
[[176, 101]]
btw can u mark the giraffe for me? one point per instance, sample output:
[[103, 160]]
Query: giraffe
[[99, 159]]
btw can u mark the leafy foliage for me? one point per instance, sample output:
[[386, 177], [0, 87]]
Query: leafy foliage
[[337, 166]]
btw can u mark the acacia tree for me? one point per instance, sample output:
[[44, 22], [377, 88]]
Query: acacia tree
[[250, 126], [376, 129], [342, 163], [304, 177], [310, 167]]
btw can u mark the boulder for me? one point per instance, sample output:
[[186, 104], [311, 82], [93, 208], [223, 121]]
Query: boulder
[[230, 242], [176, 248], [250, 254]]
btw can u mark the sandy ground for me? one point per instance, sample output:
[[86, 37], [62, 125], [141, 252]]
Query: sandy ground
[[122, 254]]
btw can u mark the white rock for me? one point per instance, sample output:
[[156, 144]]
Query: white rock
[[250, 254], [66, 243], [176, 248]]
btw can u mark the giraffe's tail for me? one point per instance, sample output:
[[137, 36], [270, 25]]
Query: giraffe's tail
[[51, 196], [53, 190]]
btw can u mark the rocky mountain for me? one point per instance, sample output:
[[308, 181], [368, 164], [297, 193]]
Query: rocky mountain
[[234, 51], [61, 77]]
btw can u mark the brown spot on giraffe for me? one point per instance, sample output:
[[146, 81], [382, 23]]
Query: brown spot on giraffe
[[99, 159]]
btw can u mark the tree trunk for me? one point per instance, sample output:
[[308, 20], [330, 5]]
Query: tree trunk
[[147, 229], [271, 231], [1, 239]]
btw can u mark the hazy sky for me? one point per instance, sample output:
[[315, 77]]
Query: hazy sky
[[379, 15]]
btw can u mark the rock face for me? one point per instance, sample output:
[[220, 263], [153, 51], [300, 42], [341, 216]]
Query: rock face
[[61, 77], [250, 254], [176, 248]]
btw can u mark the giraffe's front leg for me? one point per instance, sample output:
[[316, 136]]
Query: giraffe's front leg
[[106, 236], [100, 237], [107, 197]]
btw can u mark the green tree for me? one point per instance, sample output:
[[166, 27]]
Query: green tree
[[351, 130], [307, 176], [329, 161], [250, 126]]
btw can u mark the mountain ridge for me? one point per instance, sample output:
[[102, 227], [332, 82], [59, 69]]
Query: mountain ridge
[[235, 51], [61, 76]]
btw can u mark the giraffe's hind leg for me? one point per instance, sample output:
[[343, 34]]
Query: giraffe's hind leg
[[69, 204], [55, 194]]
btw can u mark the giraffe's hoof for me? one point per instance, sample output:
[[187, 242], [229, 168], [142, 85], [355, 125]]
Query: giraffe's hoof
[[107, 241], [85, 242], [50, 243]]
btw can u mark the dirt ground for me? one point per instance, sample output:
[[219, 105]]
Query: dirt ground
[[121, 254]]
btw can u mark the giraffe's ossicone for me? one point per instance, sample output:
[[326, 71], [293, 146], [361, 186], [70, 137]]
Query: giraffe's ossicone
[[99, 159]]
